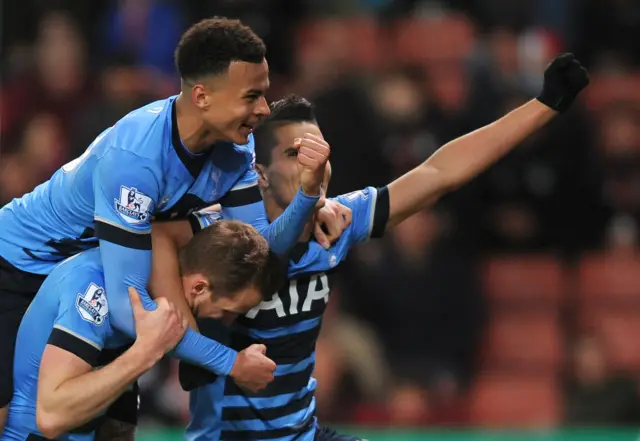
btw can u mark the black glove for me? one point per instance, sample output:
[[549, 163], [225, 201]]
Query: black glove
[[564, 78]]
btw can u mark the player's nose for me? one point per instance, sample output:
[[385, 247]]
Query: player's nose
[[262, 108]]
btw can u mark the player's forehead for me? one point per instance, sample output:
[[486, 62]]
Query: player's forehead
[[245, 77]]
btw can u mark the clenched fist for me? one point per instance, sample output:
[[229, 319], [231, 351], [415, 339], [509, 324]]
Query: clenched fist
[[564, 78], [313, 154], [252, 369]]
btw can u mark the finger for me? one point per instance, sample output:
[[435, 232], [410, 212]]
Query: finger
[[564, 60], [162, 303], [321, 202], [308, 161], [318, 156], [172, 307], [271, 364], [334, 229], [136, 303], [321, 238], [316, 146], [318, 138], [212, 209], [346, 214]]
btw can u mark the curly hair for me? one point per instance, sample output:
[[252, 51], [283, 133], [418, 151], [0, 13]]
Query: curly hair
[[209, 46]]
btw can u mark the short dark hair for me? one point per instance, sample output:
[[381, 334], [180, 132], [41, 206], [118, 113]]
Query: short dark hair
[[291, 109], [209, 46], [233, 256]]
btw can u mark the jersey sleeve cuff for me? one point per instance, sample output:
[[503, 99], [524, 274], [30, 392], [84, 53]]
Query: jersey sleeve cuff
[[76, 344], [380, 212], [110, 232]]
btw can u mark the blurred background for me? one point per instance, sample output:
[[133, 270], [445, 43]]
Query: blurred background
[[514, 304]]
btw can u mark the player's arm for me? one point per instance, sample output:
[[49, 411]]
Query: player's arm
[[462, 159], [124, 232], [70, 392], [167, 238]]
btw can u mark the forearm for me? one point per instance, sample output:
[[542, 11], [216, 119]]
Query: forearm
[[197, 349], [79, 400], [462, 159], [466, 157], [283, 233], [165, 278]]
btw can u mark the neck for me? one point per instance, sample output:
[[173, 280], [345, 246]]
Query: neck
[[195, 136], [274, 210]]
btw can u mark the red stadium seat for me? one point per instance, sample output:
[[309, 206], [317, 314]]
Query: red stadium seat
[[607, 88], [524, 280], [619, 331], [431, 40], [609, 280], [515, 401], [357, 41], [524, 342]]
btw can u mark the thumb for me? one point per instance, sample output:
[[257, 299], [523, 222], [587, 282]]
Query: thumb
[[321, 238], [136, 303], [260, 348]]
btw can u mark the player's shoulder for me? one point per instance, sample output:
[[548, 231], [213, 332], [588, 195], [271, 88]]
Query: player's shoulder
[[143, 130], [80, 281], [80, 268]]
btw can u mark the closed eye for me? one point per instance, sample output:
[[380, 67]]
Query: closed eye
[[291, 152]]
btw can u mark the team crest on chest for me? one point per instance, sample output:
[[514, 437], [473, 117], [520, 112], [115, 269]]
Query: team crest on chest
[[92, 305], [133, 205]]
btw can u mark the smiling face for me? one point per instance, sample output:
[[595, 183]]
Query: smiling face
[[233, 103]]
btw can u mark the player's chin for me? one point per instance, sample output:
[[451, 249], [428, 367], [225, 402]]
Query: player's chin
[[241, 136]]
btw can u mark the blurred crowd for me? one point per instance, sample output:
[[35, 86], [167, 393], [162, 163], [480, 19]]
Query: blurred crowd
[[474, 312]]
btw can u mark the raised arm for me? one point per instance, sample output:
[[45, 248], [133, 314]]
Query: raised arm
[[462, 159]]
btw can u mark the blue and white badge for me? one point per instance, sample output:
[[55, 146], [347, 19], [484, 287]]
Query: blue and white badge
[[92, 305], [133, 205]]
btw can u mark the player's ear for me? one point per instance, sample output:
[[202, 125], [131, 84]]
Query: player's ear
[[200, 97], [263, 181], [200, 287]]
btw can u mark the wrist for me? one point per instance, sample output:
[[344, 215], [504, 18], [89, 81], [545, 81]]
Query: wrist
[[145, 356], [310, 191], [232, 361]]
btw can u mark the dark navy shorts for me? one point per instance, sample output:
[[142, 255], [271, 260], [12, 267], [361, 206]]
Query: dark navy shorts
[[327, 434]]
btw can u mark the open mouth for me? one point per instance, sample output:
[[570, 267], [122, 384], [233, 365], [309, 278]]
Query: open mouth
[[247, 127]]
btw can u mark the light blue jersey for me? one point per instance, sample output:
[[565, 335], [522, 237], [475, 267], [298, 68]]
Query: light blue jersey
[[136, 171], [288, 324], [71, 312]]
